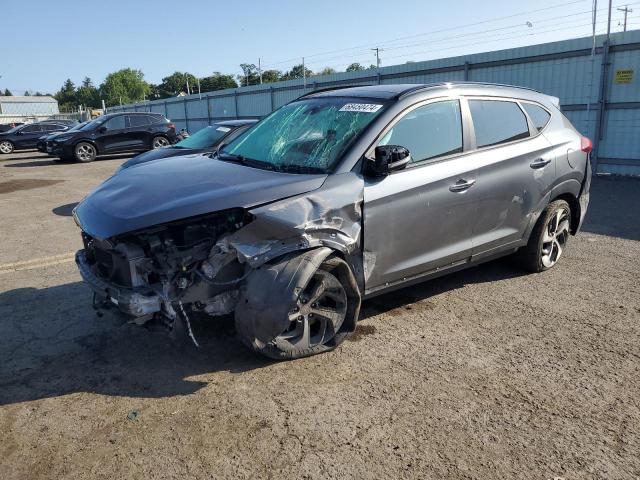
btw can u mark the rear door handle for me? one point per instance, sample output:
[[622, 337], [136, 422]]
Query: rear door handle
[[462, 185], [539, 163]]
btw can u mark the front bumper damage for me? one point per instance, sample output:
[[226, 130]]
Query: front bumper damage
[[128, 301]]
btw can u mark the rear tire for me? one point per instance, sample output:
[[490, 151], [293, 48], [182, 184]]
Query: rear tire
[[6, 147], [85, 152], [159, 142], [548, 238]]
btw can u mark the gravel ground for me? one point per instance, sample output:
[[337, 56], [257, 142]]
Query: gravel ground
[[488, 373]]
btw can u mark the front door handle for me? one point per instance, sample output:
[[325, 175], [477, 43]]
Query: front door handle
[[540, 162], [462, 185]]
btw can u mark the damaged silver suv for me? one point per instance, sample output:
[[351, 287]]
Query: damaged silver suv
[[337, 196]]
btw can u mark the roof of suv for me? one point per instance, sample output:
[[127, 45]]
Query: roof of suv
[[396, 91]]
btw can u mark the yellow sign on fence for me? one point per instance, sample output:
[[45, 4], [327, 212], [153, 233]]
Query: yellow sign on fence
[[624, 76]]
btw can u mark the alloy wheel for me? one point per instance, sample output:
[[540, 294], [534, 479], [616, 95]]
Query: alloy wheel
[[318, 315], [85, 152], [6, 147], [160, 142], [556, 234]]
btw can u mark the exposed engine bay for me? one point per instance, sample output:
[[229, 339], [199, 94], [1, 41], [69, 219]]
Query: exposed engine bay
[[153, 273]]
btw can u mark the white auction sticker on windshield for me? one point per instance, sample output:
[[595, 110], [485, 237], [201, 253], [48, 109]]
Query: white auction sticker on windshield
[[223, 129], [361, 107]]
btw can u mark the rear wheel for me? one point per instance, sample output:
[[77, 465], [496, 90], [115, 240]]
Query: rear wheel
[[549, 238], [159, 142], [6, 146], [85, 152]]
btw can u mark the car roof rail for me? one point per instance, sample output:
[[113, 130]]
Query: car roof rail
[[329, 89], [428, 86]]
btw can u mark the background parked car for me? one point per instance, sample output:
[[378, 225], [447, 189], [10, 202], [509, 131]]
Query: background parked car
[[114, 133], [26, 136], [42, 141], [208, 139], [5, 127]]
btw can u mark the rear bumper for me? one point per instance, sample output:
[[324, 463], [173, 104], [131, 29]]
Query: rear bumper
[[128, 301]]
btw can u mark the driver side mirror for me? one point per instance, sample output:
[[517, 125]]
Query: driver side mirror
[[388, 158], [102, 129]]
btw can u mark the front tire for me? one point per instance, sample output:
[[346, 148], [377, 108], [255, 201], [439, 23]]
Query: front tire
[[6, 147], [319, 319], [159, 142], [548, 240], [85, 152]]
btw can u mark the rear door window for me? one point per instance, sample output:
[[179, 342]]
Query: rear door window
[[115, 123], [136, 121], [497, 122], [430, 131], [538, 115], [32, 129]]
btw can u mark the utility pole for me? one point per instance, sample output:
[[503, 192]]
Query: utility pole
[[199, 94], [188, 91], [626, 11], [377, 50], [260, 70]]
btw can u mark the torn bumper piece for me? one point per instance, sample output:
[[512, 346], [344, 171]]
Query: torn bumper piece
[[127, 300]]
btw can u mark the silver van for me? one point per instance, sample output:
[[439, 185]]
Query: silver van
[[337, 196]]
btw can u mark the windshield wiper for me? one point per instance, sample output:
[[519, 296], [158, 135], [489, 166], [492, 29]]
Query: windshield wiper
[[300, 169], [242, 160]]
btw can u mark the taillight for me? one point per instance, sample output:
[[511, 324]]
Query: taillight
[[586, 145], [171, 125]]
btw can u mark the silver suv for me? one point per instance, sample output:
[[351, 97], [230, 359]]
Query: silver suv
[[338, 196]]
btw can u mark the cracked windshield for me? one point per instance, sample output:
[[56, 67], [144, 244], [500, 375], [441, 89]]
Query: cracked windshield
[[304, 137]]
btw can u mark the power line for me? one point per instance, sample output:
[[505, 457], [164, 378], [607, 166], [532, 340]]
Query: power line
[[491, 20]]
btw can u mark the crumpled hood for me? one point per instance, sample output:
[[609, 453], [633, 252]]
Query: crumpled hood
[[172, 189]]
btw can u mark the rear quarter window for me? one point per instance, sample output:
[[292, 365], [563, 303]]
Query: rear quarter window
[[497, 122], [538, 115]]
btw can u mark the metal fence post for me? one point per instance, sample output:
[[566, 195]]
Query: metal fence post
[[208, 110], [272, 99], [235, 102], [166, 110], [466, 71], [186, 117], [602, 104]]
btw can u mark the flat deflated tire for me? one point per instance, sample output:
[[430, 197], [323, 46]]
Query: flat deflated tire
[[548, 239]]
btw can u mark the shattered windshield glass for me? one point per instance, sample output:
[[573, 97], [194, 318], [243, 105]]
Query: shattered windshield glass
[[307, 136]]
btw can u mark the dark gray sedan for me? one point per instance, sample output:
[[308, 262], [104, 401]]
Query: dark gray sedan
[[208, 139]]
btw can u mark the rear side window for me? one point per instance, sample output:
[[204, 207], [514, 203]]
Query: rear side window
[[538, 115], [52, 127], [32, 129], [157, 119], [431, 131], [138, 120], [497, 122]]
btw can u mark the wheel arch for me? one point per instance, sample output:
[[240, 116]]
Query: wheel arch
[[85, 140]]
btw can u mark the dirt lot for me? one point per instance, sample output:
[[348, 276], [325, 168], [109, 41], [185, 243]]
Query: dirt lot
[[487, 374]]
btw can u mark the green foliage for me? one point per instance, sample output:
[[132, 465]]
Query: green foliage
[[296, 72], [7, 93], [270, 76], [354, 67], [87, 94], [176, 83], [217, 81], [126, 86], [327, 71], [66, 96], [250, 75]]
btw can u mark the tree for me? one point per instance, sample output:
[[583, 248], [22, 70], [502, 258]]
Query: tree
[[87, 94], [66, 96], [217, 81], [126, 86], [249, 75], [7, 93], [270, 76], [296, 72], [327, 71], [354, 67], [27, 93], [176, 83]]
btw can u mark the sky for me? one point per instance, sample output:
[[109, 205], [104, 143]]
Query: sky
[[47, 42]]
